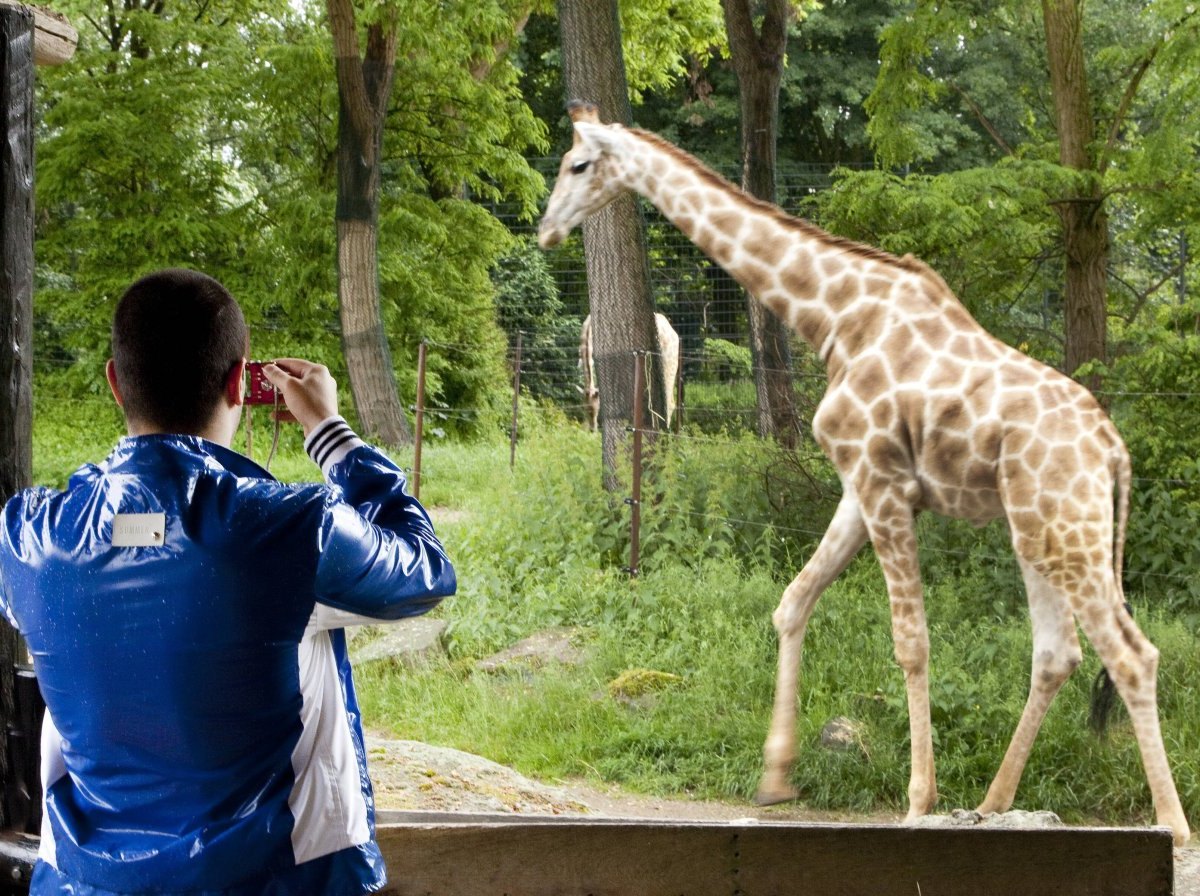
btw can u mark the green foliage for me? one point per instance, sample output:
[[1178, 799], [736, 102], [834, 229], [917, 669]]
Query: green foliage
[[204, 135], [661, 37], [1155, 406], [724, 361]]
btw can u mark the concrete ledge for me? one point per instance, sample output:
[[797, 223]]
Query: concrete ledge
[[435, 854]]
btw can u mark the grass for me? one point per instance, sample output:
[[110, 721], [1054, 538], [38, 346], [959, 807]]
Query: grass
[[726, 525]]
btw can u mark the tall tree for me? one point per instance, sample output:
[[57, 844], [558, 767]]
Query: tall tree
[[621, 303], [758, 59], [364, 79], [1082, 212]]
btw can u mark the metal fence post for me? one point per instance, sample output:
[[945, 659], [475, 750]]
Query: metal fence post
[[635, 499]]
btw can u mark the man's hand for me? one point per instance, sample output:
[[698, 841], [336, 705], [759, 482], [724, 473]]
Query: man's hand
[[308, 390]]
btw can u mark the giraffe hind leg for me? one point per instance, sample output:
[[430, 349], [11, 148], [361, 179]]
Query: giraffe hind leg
[[1056, 654], [1132, 662]]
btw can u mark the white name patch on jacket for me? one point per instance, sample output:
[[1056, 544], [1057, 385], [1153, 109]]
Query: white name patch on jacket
[[139, 530]]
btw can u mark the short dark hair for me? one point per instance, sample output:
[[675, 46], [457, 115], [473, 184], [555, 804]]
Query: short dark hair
[[176, 335]]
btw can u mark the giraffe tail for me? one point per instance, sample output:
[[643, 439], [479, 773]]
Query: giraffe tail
[[1103, 690]]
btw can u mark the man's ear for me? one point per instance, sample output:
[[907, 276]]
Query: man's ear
[[235, 385], [110, 374]]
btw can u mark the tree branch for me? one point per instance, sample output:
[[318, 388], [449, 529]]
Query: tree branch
[[1130, 93], [986, 122]]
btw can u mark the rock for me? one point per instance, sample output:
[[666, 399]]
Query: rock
[[412, 642], [842, 734], [415, 776], [555, 645], [1015, 818]]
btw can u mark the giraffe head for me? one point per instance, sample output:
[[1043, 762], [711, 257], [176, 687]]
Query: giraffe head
[[587, 177]]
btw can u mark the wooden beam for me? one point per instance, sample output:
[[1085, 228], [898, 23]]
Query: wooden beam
[[548, 856], [54, 40]]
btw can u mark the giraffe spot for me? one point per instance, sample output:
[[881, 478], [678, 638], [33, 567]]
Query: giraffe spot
[[1019, 491], [981, 477], [987, 440], [946, 374], [757, 280], [778, 305], [809, 322], [885, 454], [798, 277], [844, 457], [909, 358], [870, 378], [672, 182], [1091, 455], [951, 416], [883, 413], [840, 292], [934, 331], [1063, 461], [1020, 407], [1035, 456], [723, 251], [767, 243], [947, 453], [877, 286], [1015, 439], [862, 332], [727, 222]]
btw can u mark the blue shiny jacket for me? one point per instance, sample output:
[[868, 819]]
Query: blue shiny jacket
[[203, 734]]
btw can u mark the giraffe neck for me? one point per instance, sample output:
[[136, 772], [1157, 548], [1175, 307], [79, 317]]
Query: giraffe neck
[[803, 274]]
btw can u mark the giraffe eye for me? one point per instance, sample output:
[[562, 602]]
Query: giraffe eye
[[580, 167]]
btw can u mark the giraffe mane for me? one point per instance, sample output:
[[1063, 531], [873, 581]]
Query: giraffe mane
[[862, 250]]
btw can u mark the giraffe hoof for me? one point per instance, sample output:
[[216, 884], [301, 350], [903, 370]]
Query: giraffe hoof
[[775, 795]]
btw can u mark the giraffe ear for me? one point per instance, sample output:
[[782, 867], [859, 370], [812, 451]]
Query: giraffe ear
[[596, 137]]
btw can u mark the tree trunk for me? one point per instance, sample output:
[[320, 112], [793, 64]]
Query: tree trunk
[[1084, 219], [758, 62], [364, 85], [16, 316], [614, 240]]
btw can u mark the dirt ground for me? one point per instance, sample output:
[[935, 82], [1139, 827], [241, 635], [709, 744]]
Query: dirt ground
[[419, 777]]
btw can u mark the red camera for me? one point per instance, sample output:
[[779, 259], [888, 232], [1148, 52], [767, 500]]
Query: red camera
[[258, 388]]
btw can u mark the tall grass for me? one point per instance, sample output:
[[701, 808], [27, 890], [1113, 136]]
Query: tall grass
[[727, 522]]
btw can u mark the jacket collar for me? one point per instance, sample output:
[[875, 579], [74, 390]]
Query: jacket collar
[[132, 452]]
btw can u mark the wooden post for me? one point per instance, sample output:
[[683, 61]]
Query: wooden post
[[27, 36], [419, 423], [16, 338], [512, 438], [635, 499]]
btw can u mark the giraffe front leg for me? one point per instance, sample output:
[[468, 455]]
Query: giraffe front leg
[[842, 540]]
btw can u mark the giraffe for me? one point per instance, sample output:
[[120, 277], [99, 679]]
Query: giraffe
[[924, 410]]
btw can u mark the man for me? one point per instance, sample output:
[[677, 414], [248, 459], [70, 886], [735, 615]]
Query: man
[[184, 611]]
